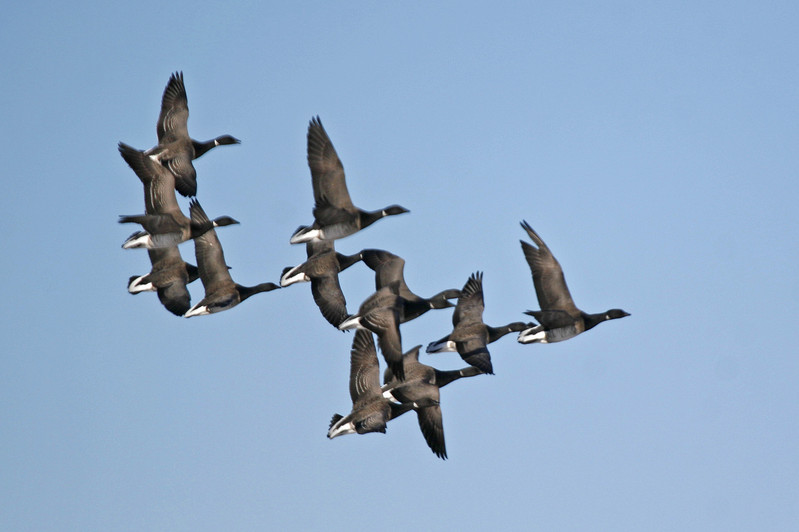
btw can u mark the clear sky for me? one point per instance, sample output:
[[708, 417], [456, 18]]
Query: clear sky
[[653, 145]]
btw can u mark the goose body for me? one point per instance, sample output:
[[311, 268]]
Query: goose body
[[176, 149], [321, 270], [335, 216], [221, 293], [370, 410], [390, 268], [421, 387], [559, 318], [168, 277]]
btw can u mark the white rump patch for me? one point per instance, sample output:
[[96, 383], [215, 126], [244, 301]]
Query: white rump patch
[[529, 336], [442, 347], [338, 430], [291, 277], [137, 286], [197, 310]]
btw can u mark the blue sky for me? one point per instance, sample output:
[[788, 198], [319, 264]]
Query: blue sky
[[652, 145]]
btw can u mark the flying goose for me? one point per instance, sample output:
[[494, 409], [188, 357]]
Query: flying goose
[[370, 410], [321, 269], [389, 268], [168, 277], [559, 317], [175, 149], [164, 223], [380, 313], [334, 214], [470, 336], [421, 386], [169, 229], [221, 293]]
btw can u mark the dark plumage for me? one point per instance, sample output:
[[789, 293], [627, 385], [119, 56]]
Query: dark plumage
[[421, 387], [169, 274], [470, 336], [559, 317], [389, 268], [164, 223], [164, 230], [168, 277], [370, 410], [176, 149], [322, 269], [380, 313], [334, 214], [221, 293]]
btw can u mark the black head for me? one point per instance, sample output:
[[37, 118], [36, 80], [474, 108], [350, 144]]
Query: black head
[[615, 313], [227, 139], [394, 209], [441, 300], [224, 220]]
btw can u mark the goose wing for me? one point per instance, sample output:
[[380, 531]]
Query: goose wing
[[432, 427], [174, 117], [328, 296], [364, 369], [548, 279], [159, 183], [327, 172], [208, 251]]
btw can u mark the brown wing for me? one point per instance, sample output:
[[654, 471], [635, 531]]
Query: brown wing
[[432, 426], [174, 117], [470, 304], [364, 369], [548, 279], [327, 172], [208, 251]]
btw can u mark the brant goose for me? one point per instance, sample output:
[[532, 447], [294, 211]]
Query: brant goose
[[168, 277], [559, 317], [370, 410], [221, 293], [169, 229], [165, 223], [175, 149], [470, 335], [322, 269], [334, 214], [421, 387], [389, 268], [380, 313]]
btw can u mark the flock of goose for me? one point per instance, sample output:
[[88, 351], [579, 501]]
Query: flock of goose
[[167, 169]]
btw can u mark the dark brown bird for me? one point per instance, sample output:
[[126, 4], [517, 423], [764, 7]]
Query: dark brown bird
[[221, 293], [470, 336], [334, 214], [370, 410], [559, 317], [164, 223], [321, 269], [421, 387], [168, 278], [176, 149]]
